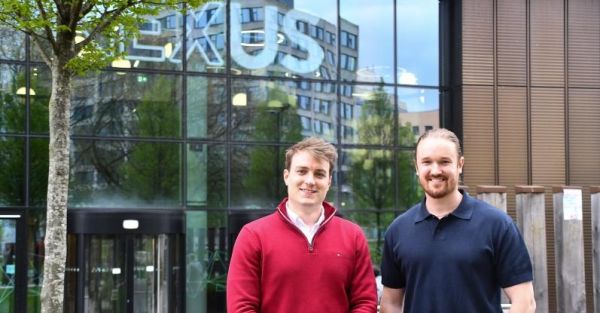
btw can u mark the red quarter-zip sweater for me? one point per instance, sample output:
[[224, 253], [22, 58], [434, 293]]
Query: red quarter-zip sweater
[[274, 269]]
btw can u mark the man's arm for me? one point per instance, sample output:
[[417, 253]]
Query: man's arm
[[392, 300], [521, 297], [363, 295], [243, 277]]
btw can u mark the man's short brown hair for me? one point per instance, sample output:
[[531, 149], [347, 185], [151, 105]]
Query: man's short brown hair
[[316, 147]]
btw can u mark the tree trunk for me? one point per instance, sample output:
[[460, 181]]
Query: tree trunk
[[52, 296]]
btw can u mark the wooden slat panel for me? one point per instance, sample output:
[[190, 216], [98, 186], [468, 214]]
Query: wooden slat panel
[[478, 135], [584, 43], [477, 42], [548, 159], [512, 140], [512, 42], [584, 156], [547, 40], [584, 139], [547, 136]]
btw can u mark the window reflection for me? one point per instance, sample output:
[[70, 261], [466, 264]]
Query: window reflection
[[36, 229], [367, 114], [125, 174], [418, 110], [417, 40], [257, 176], [12, 44], [206, 107], [205, 42], [283, 39], [206, 178], [114, 104], [367, 47], [282, 111], [12, 99], [206, 261], [12, 171], [159, 43]]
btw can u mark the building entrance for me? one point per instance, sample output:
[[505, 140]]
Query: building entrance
[[126, 270]]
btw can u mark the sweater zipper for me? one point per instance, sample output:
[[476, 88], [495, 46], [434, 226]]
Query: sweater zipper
[[310, 244]]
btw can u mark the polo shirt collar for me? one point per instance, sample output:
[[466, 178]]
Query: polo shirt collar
[[463, 211]]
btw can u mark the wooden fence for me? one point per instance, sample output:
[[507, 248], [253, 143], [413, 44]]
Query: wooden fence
[[568, 242]]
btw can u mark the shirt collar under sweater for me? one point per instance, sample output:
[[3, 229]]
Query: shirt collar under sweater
[[308, 230]]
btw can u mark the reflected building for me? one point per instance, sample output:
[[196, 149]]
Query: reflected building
[[177, 145]]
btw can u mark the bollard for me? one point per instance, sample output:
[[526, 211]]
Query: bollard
[[595, 195], [496, 196], [531, 218], [568, 244]]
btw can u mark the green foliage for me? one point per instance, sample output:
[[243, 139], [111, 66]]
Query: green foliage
[[152, 170], [276, 119], [371, 171], [85, 35]]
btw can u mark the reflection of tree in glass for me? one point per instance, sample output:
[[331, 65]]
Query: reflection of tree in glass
[[370, 175], [275, 119], [12, 151], [152, 170]]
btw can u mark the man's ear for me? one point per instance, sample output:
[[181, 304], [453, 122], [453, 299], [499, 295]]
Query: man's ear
[[461, 163], [286, 173]]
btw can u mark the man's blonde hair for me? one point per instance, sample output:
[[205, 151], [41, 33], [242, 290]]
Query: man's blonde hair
[[317, 148]]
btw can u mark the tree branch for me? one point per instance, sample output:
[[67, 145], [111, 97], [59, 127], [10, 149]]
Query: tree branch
[[36, 41], [75, 11], [106, 21], [49, 35]]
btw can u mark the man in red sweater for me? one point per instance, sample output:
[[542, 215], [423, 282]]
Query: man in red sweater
[[302, 258]]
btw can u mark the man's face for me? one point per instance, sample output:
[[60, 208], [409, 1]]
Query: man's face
[[307, 180], [438, 167]]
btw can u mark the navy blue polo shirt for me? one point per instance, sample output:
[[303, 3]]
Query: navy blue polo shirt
[[455, 264]]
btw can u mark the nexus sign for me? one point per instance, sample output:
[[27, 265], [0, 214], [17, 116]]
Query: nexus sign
[[211, 15]]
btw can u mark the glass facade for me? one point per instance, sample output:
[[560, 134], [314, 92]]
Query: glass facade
[[195, 121]]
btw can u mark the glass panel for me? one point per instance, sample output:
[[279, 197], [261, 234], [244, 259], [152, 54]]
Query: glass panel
[[146, 105], [41, 83], [257, 176], [367, 114], [12, 44], [418, 42], [409, 190], [367, 52], [206, 179], [36, 229], [38, 172], [368, 180], [12, 98], [206, 46], [105, 275], [12, 171], [285, 38], [159, 44], [206, 261], [125, 174], [418, 111], [8, 262], [115, 104], [374, 223], [206, 107], [282, 111], [71, 270], [146, 275]]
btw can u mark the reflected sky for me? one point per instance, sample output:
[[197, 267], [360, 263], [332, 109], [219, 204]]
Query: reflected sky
[[417, 35]]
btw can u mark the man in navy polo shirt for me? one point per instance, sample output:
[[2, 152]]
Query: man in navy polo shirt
[[452, 253]]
